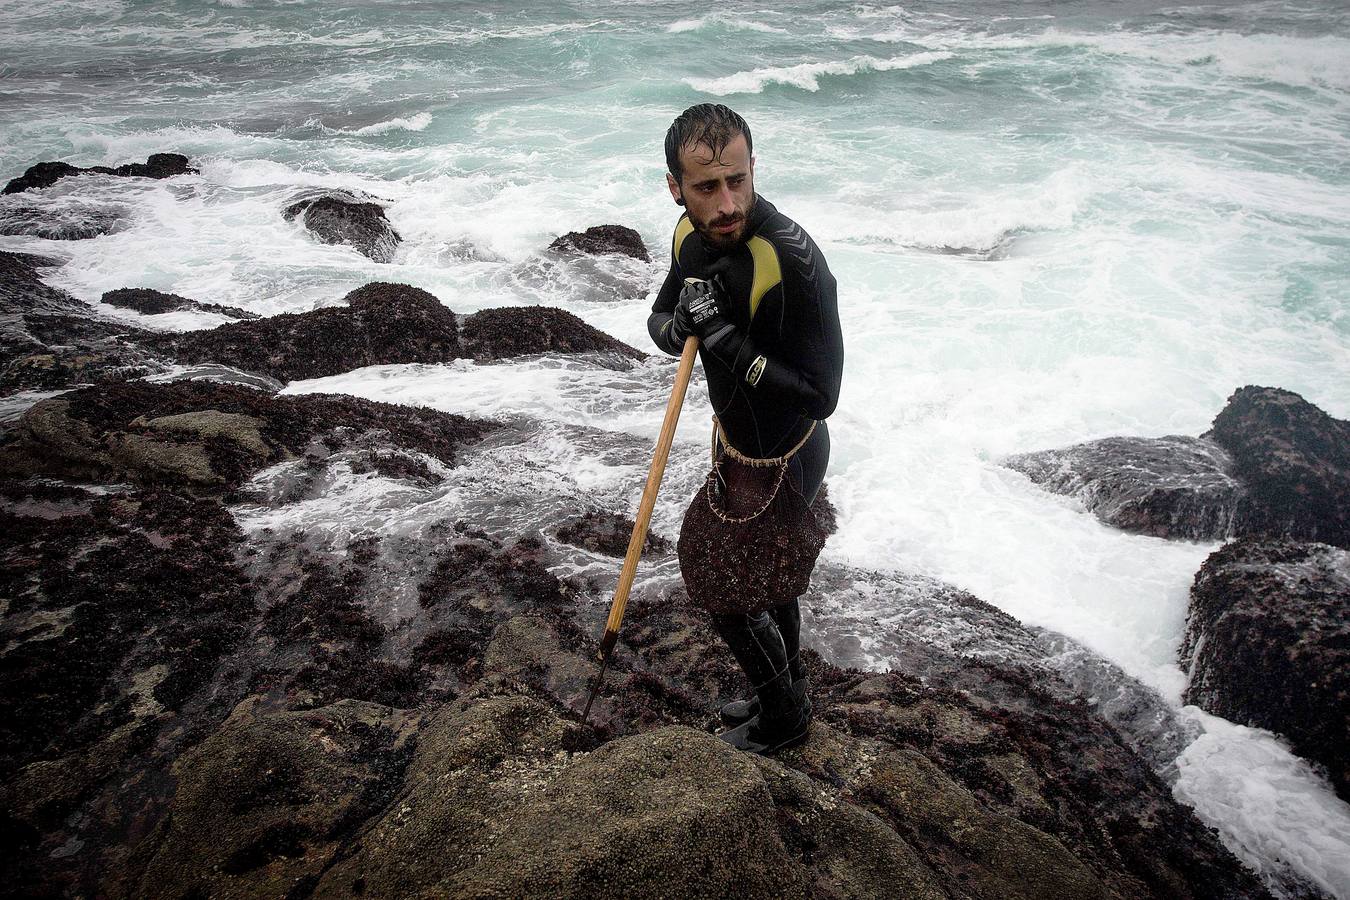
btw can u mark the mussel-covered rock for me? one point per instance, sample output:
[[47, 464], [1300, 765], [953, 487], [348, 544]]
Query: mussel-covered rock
[[1294, 461], [1268, 644], [381, 323], [45, 174], [360, 224], [600, 239], [519, 330], [152, 302]]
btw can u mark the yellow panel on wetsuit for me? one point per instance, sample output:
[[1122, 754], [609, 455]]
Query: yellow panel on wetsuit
[[683, 229], [767, 271]]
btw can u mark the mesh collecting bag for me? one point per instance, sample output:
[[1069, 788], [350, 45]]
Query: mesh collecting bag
[[749, 540]]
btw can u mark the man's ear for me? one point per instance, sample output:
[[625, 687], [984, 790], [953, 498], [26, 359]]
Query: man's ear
[[674, 189]]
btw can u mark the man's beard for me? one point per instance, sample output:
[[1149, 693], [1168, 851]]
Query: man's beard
[[725, 240]]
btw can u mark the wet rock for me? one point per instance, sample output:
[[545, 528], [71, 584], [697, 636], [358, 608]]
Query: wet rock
[[342, 219], [997, 855], [219, 374], [608, 533], [1294, 461], [71, 220], [23, 291], [158, 165], [633, 819], [1268, 644], [1170, 487], [49, 339], [140, 589], [518, 330], [209, 436], [603, 239], [265, 803], [152, 302], [1022, 753], [857, 852], [381, 324]]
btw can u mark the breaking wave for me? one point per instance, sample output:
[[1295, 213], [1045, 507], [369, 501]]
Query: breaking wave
[[807, 75]]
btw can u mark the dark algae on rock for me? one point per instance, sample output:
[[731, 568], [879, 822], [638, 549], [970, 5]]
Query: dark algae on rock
[[1271, 465], [152, 302], [342, 219], [49, 339], [519, 330], [46, 174], [1268, 644], [382, 324], [379, 324], [600, 239], [1294, 460], [206, 435]]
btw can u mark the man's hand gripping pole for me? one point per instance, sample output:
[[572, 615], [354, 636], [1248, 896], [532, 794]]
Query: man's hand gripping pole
[[644, 517]]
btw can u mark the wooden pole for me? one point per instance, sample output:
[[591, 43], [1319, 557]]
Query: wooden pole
[[644, 516]]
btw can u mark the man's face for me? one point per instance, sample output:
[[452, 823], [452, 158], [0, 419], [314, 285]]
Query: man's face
[[717, 191]]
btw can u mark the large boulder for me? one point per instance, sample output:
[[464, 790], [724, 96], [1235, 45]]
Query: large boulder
[[380, 324], [493, 808], [1268, 644], [360, 224], [1171, 487], [1294, 461], [45, 174], [600, 239]]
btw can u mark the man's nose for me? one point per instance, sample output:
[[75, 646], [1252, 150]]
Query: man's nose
[[726, 201]]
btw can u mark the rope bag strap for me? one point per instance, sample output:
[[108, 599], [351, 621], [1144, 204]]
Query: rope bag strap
[[720, 436]]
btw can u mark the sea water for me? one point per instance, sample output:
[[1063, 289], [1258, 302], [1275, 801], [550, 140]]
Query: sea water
[[1050, 222]]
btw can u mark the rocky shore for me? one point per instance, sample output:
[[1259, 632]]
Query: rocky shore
[[1268, 636], [192, 708]]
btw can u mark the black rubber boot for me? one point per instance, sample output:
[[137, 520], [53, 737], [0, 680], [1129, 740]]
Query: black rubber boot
[[784, 713], [738, 711], [788, 618], [784, 720]]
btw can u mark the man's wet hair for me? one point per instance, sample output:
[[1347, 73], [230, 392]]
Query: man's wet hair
[[707, 123]]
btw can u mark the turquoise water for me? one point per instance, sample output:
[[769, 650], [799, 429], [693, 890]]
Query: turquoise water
[[1050, 222]]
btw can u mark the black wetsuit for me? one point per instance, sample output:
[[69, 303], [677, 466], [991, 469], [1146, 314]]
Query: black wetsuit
[[783, 304]]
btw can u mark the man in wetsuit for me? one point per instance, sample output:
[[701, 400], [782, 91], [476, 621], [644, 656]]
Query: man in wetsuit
[[772, 352]]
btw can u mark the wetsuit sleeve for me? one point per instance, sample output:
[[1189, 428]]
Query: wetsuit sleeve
[[663, 310], [806, 369]]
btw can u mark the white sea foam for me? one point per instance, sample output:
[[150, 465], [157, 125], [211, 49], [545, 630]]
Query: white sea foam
[[977, 220], [1272, 810], [684, 26], [418, 122], [807, 75], [1323, 60]]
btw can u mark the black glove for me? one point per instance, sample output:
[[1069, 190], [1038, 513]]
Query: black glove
[[698, 313]]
